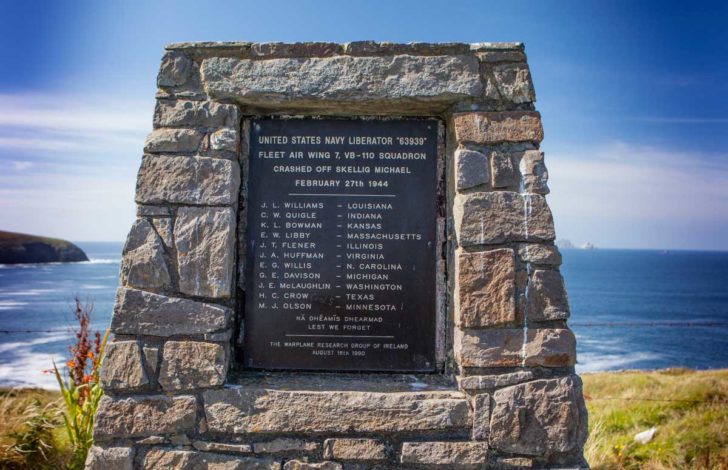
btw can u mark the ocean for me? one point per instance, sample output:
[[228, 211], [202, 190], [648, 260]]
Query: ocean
[[630, 309]]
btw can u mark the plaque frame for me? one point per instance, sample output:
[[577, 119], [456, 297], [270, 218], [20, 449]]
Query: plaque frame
[[443, 328]]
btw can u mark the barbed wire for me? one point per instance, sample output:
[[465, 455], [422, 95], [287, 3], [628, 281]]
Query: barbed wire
[[648, 324], [616, 324]]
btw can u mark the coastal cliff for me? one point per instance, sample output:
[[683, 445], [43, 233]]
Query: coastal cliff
[[18, 248]]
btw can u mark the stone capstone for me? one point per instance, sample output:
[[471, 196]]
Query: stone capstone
[[187, 180], [186, 113], [109, 458], [547, 296], [496, 217], [497, 127], [175, 70], [342, 79], [143, 313], [246, 410], [141, 416], [355, 449], [173, 141], [143, 264], [191, 460], [534, 172], [471, 168], [485, 288], [122, 367], [205, 243], [192, 364], [450, 454], [543, 417]]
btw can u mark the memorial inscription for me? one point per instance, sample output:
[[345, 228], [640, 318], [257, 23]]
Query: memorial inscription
[[341, 253]]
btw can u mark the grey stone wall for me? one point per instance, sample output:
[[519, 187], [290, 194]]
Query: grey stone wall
[[506, 396]]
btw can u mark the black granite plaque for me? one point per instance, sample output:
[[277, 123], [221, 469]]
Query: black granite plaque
[[341, 247]]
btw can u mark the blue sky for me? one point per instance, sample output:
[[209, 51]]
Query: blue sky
[[634, 97]]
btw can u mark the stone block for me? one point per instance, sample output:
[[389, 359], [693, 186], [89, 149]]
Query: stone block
[[543, 417], [490, 57], [485, 288], [285, 444], [474, 383], [412, 48], [534, 173], [347, 449], [547, 296], [321, 82], [481, 417], [252, 410], [123, 367], [110, 458], [144, 416], [188, 180], [176, 69], [153, 211], [449, 454], [186, 113], [537, 253], [151, 359], [143, 265], [205, 243], [191, 460], [143, 313], [173, 141], [550, 347], [489, 348], [222, 447], [225, 139], [299, 465], [513, 82], [471, 168], [192, 364], [497, 217], [163, 227], [504, 175], [497, 127]]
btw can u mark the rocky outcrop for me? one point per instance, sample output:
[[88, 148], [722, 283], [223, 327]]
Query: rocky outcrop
[[17, 248]]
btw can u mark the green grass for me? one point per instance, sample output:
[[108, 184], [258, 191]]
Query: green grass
[[20, 410], [688, 408]]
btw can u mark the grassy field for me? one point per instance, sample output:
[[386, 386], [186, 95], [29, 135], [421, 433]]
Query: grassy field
[[688, 408], [31, 436]]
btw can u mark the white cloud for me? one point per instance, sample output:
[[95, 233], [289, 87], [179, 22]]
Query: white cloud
[[640, 196], [21, 166], [60, 123]]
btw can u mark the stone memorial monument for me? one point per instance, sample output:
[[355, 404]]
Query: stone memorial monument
[[343, 258]]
